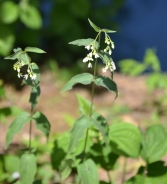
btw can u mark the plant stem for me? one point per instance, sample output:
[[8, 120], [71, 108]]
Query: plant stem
[[109, 177], [124, 170], [30, 134]]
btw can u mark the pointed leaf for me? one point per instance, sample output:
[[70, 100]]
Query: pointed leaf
[[27, 168], [66, 168], [25, 58], [100, 124], [109, 31], [88, 172], [14, 56], [42, 123], [16, 126], [84, 105], [34, 49], [85, 42], [126, 137], [154, 143], [35, 92], [96, 28], [78, 131], [84, 78], [106, 83]]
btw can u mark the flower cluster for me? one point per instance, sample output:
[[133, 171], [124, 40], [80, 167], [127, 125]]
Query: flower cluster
[[19, 64], [89, 56]]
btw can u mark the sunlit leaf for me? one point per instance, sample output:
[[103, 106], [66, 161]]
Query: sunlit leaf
[[42, 123], [27, 168], [126, 138], [14, 56], [9, 12], [34, 49], [106, 83], [88, 172], [84, 78], [16, 126], [31, 17], [25, 57], [96, 28], [154, 143], [78, 131], [109, 31], [35, 92], [85, 42]]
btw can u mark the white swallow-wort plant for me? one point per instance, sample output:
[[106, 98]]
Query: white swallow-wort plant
[[30, 77]]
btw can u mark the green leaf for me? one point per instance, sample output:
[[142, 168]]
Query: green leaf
[[14, 56], [9, 12], [78, 131], [34, 49], [11, 163], [42, 123], [84, 78], [109, 31], [7, 39], [25, 58], [30, 16], [126, 137], [87, 172], [96, 28], [106, 83], [35, 92], [154, 143], [27, 168], [85, 42], [138, 179], [65, 168], [16, 126], [101, 124], [84, 105]]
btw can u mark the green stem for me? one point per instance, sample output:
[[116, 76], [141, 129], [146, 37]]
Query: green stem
[[30, 134]]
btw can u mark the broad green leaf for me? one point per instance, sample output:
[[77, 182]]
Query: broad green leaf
[[42, 123], [7, 39], [11, 163], [109, 31], [126, 137], [84, 105], [106, 83], [78, 131], [25, 58], [85, 42], [65, 168], [31, 17], [154, 143], [138, 179], [35, 92], [101, 124], [14, 56], [84, 78], [34, 49], [28, 168], [59, 150], [87, 172], [9, 12], [96, 28], [16, 126]]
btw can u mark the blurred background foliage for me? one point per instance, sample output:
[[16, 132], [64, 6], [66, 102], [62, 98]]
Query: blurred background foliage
[[50, 25]]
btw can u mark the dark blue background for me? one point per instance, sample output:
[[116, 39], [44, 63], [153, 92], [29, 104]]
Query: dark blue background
[[143, 24]]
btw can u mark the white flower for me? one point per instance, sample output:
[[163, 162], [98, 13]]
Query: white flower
[[112, 45], [28, 70], [26, 76], [96, 55], [87, 47], [90, 55], [109, 52], [85, 59], [19, 75], [18, 69], [90, 65], [113, 67], [104, 69], [33, 77], [105, 50], [15, 175]]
